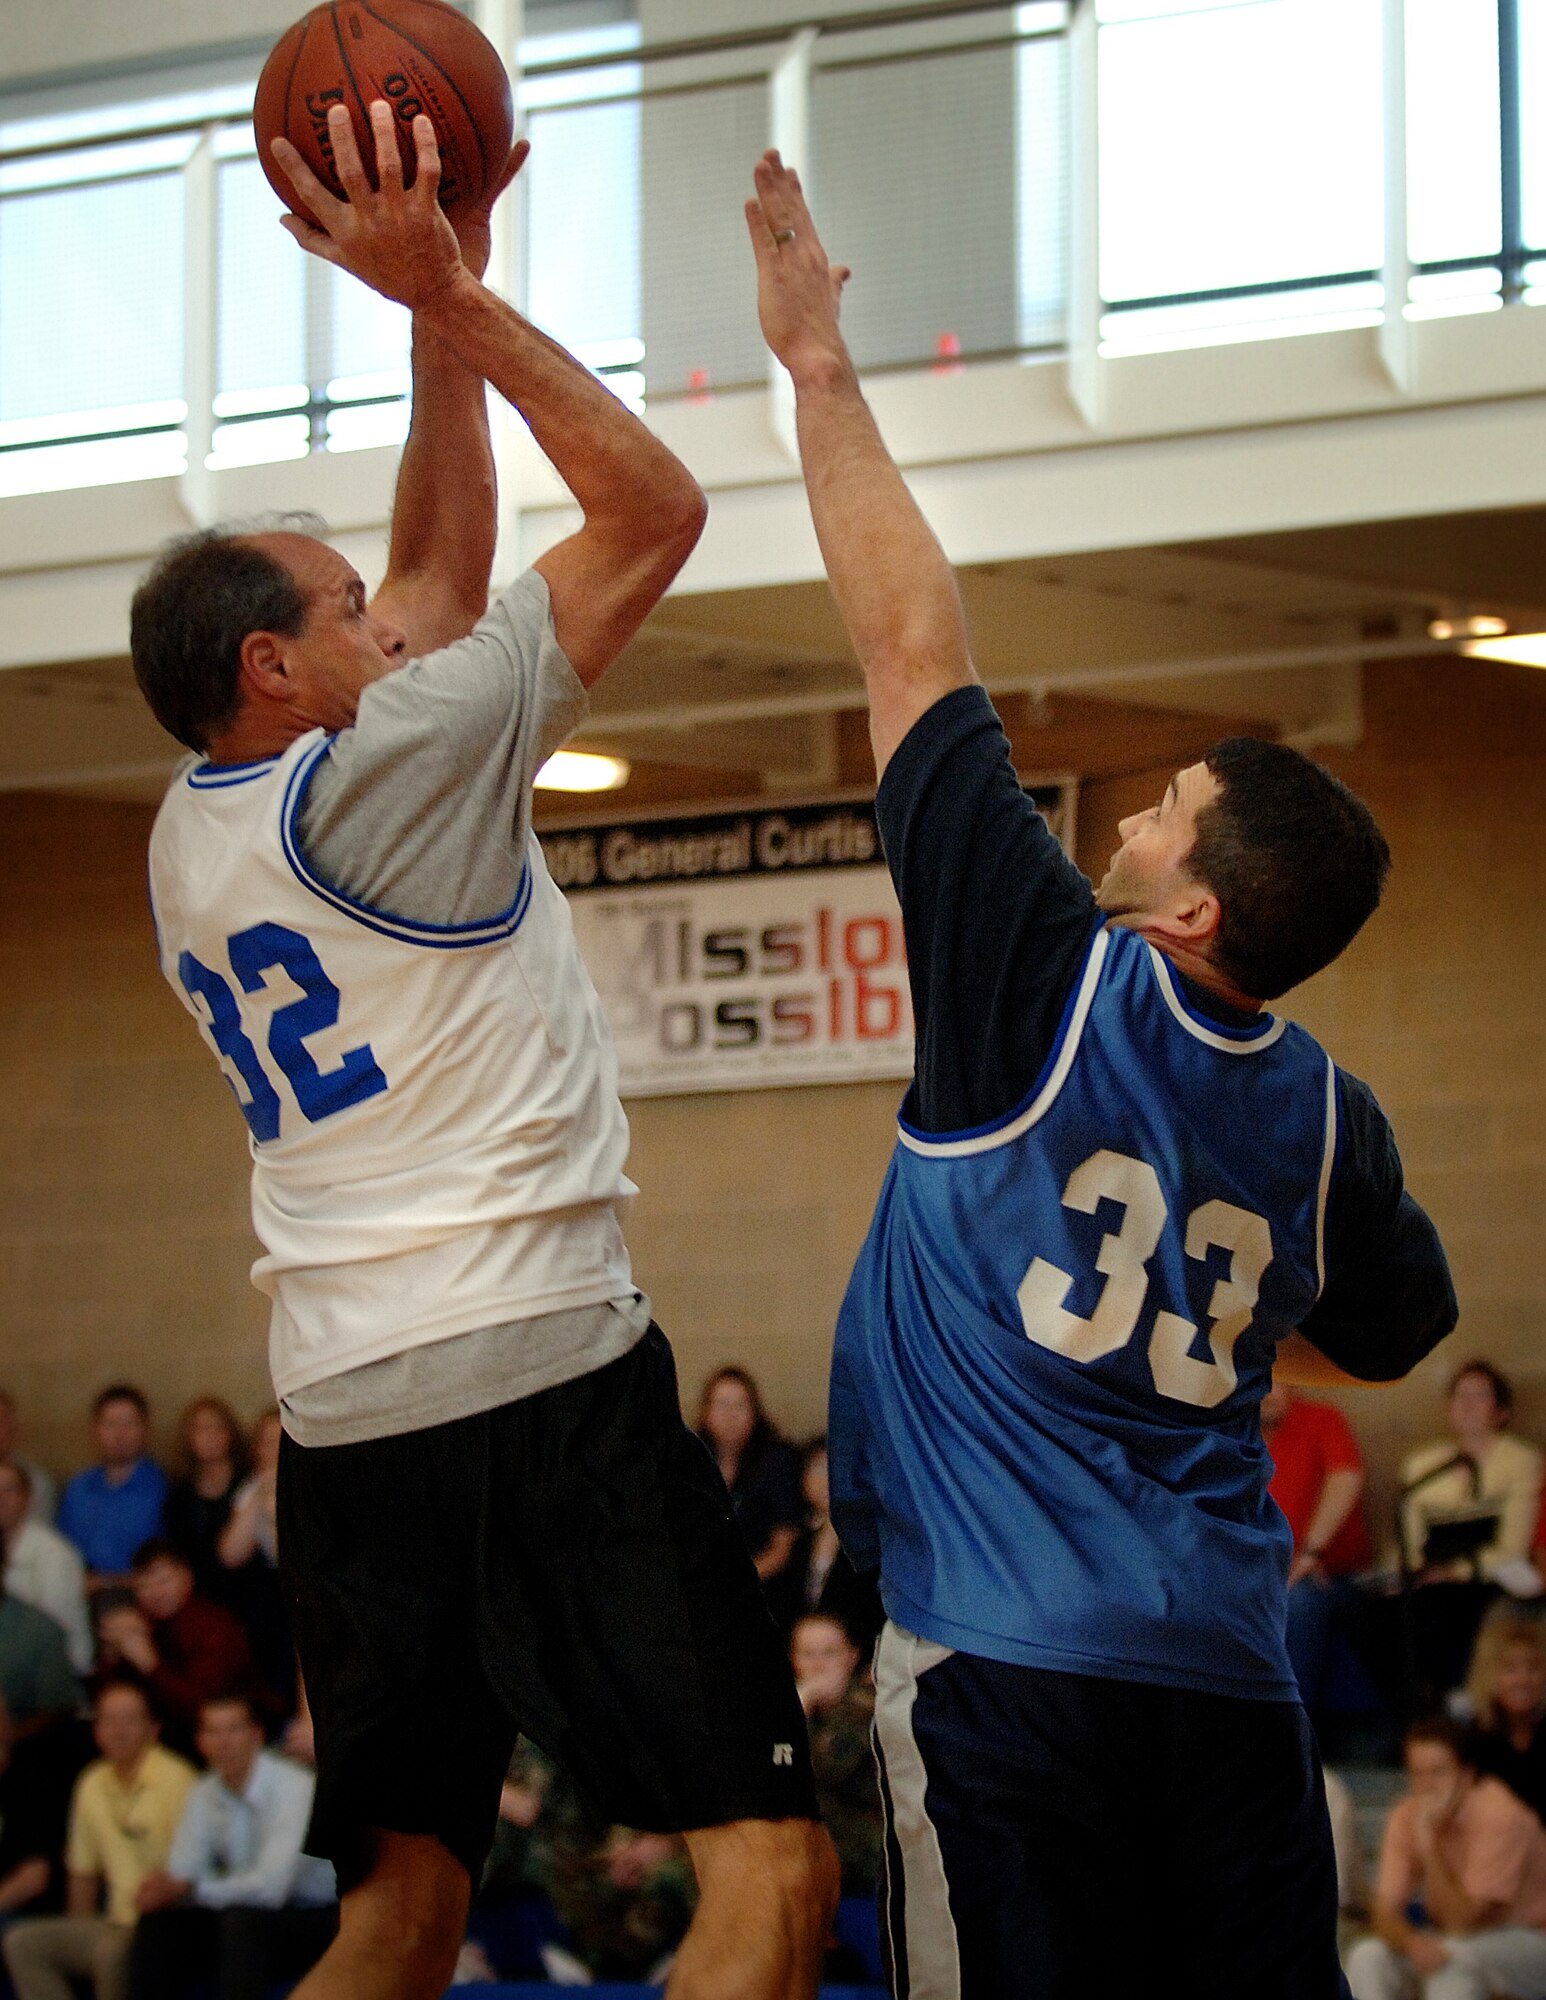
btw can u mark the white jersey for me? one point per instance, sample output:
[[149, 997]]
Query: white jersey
[[437, 1140]]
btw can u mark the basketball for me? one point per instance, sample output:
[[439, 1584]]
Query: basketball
[[419, 55]]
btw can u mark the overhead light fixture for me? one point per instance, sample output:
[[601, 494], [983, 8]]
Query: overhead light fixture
[[581, 771], [1477, 625], [1519, 649]]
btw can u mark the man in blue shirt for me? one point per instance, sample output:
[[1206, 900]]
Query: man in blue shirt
[[238, 1905], [1123, 1192], [114, 1507]]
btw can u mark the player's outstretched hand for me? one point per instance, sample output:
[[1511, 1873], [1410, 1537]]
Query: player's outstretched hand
[[472, 224], [394, 239], [799, 290]]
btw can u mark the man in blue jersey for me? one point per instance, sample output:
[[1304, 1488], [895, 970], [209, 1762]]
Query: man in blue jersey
[[1122, 1192]]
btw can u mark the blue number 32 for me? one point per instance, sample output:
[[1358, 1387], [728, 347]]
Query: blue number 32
[[320, 1093]]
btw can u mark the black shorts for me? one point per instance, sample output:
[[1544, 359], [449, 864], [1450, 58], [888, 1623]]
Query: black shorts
[[567, 1566], [1055, 1836]]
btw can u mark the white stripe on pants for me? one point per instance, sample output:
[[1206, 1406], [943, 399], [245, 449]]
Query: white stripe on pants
[[927, 1926], [1510, 1962]]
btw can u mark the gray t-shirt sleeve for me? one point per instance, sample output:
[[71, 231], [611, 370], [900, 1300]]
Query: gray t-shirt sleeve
[[423, 809]]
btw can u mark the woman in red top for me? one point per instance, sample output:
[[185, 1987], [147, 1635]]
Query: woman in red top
[[1318, 1481]]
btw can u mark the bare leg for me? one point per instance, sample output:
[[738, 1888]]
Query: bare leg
[[400, 1931], [767, 1892]]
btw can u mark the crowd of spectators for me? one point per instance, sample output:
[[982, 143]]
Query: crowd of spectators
[[144, 1640]]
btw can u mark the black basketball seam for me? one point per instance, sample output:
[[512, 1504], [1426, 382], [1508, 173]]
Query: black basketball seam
[[343, 56], [440, 68], [295, 63]]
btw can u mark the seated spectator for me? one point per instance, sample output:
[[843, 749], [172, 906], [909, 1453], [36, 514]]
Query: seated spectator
[[183, 1649], [238, 1905], [761, 1471], [37, 1683], [839, 1708], [122, 1818], [818, 1575], [1318, 1482], [32, 1823], [1476, 1857], [43, 1495], [249, 1551], [198, 1502], [1507, 1691], [41, 1568], [114, 1506]]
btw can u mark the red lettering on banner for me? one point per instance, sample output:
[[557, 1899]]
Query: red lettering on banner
[[877, 927], [866, 999]]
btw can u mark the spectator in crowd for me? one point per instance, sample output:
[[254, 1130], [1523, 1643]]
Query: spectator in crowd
[[818, 1575], [40, 1567], [249, 1551], [1507, 1691], [1490, 1473], [43, 1495], [198, 1502], [114, 1506], [36, 1681], [1476, 1858], [238, 1905], [122, 1819], [839, 1708], [182, 1648], [32, 1823], [761, 1471], [1318, 1481]]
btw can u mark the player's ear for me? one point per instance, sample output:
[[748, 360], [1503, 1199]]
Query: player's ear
[[1194, 917], [264, 672]]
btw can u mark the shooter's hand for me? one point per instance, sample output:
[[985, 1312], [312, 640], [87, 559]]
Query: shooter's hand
[[394, 239], [798, 290], [472, 224]]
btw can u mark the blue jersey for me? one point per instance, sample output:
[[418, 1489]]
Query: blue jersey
[[1044, 1419]]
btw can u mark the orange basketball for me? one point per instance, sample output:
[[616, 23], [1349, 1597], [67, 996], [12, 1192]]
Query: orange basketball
[[420, 55]]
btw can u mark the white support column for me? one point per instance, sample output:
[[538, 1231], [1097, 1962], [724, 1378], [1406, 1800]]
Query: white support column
[[1396, 344], [201, 264], [503, 21], [789, 105], [1085, 367]]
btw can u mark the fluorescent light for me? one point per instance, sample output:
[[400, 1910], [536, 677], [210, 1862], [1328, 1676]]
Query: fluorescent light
[[1476, 625], [1520, 649], [580, 771]]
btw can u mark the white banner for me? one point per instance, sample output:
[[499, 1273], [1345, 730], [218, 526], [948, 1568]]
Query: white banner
[[744, 949]]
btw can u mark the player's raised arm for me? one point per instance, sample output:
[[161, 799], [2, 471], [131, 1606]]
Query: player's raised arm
[[445, 511], [643, 509], [895, 589]]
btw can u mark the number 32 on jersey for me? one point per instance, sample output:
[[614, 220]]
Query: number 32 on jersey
[[254, 954], [1123, 1259]]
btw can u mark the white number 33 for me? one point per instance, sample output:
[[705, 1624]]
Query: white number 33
[[1123, 1258]]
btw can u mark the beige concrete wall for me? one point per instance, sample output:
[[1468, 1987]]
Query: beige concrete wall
[[123, 1225]]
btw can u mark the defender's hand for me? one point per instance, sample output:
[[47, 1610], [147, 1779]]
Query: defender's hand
[[394, 239], [798, 289]]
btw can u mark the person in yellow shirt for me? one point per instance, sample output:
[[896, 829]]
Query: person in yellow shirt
[[122, 1819]]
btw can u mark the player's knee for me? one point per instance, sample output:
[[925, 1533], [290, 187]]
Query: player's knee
[[799, 1866]]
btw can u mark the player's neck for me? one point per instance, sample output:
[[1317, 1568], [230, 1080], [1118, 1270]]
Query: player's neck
[[255, 736], [1195, 965]]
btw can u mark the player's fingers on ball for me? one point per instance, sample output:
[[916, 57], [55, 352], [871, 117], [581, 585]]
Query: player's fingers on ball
[[346, 152], [427, 148], [389, 160], [518, 157], [320, 200]]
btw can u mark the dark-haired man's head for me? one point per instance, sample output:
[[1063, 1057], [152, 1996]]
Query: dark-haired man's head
[[229, 1738], [163, 1580], [1257, 863], [120, 1425], [123, 1723], [243, 640]]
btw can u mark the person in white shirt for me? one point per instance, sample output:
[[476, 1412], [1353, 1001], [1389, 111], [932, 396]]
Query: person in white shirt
[[238, 1905], [41, 1568], [44, 1493]]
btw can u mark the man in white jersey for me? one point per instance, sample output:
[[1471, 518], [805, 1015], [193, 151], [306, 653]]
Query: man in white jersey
[[491, 1516]]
